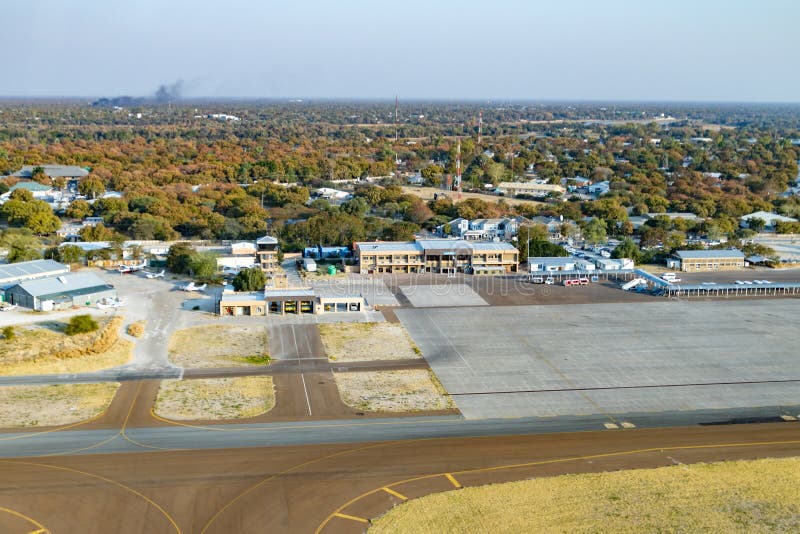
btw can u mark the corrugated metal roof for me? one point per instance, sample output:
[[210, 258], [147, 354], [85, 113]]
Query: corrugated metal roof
[[709, 254], [714, 287], [30, 186], [389, 246], [241, 297], [63, 284], [551, 261], [296, 292], [29, 268], [53, 171], [461, 244]]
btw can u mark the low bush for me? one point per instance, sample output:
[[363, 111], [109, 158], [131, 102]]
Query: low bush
[[80, 324], [8, 333]]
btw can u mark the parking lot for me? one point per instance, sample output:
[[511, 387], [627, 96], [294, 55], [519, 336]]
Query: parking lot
[[442, 295], [612, 358]]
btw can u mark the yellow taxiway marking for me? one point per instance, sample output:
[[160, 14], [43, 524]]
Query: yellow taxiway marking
[[397, 494], [552, 461], [32, 521], [351, 517], [58, 429], [39, 531], [453, 480], [113, 482]]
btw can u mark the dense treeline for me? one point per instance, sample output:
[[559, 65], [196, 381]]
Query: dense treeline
[[184, 174]]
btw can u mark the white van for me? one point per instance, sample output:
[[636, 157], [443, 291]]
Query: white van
[[670, 277]]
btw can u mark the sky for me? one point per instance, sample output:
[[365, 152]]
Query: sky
[[676, 50]]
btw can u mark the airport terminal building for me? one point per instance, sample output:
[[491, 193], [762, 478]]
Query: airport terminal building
[[448, 256], [692, 261]]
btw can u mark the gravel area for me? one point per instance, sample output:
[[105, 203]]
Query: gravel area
[[393, 391]]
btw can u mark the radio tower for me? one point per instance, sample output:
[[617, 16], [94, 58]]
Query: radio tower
[[458, 170], [396, 106], [480, 126]]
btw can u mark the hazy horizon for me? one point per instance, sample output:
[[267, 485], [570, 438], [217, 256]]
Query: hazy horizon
[[578, 51]]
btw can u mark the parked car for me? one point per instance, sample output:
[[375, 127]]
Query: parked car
[[549, 281], [537, 280]]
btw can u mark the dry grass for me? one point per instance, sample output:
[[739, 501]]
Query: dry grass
[[33, 406], [43, 348], [220, 346], [730, 497], [136, 329], [353, 342], [393, 391], [215, 398], [427, 193]]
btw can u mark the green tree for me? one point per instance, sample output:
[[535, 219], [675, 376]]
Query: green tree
[[627, 249], [21, 244], [496, 172], [43, 222], [91, 186], [98, 232], [595, 231], [69, 254], [38, 175], [545, 249], [252, 279], [203, 265], [756, 224], [21, 194], [79, 209], [529, 234], [356, 206], [400, 231], [179, 258], [80, 324]]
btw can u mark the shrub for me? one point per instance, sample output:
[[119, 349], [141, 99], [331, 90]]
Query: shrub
[[80, 324], [8, 333], [250, 280], [136, 329]]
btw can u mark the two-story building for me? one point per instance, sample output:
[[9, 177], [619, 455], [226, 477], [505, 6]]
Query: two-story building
[[437, 256]]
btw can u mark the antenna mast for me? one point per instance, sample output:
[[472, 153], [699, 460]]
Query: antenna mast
[[396, 106], [458, 169], [480, 126]]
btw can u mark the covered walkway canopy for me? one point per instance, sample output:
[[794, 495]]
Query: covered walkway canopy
[[732, 290]]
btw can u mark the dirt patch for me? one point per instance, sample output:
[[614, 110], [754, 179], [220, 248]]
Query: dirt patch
[[220, 346], [353, 342], [428, 193], [215, 398], [42, 348], [34, 406], [741, 496], [393, 391]]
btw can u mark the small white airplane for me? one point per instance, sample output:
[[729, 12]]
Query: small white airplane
[[110, 303], [155, 275], [192, 287], [128, 269]]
